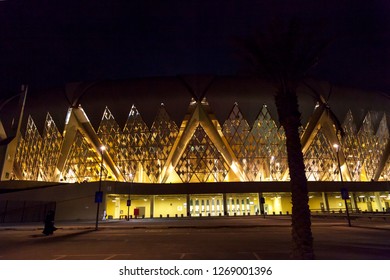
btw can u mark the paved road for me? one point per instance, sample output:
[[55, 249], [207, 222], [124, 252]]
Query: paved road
[[240, 238]]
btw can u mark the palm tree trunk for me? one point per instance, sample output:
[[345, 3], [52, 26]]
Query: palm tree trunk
[[289, 117]]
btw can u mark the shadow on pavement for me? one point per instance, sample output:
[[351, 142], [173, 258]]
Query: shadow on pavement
[[61, 236]]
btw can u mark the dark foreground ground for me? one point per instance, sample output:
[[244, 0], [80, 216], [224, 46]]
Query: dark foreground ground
[[235, 238]]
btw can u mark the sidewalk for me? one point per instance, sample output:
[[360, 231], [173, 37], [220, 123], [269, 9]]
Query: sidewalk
[[205, 222]]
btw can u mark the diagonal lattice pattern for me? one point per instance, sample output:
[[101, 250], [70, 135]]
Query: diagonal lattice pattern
[[267, 156], [320, 160], [134, 144], [28, 153], [385, 175], [50, 150], [236, 130], [83, 163], [260, 150], [109, 133], [351, 148], [372, 144], [201, 161], [163, 134]]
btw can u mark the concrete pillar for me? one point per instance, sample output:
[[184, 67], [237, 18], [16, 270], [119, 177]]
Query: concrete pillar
[[188, 205], [378, 201], [353, 202], [152, 206], [325, 200], [260, 205], [224, 204]]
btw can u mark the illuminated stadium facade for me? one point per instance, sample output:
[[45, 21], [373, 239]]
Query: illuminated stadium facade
[[210, 159]]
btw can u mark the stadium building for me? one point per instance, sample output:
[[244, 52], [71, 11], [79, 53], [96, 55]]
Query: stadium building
[[187, 146]]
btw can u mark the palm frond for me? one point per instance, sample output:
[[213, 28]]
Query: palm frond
[[322, 101], [284, 54]]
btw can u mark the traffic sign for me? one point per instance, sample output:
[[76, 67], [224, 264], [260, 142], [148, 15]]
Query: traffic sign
[[99, 197], [344, 193]]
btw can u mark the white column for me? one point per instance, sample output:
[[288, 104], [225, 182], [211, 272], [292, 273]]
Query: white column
[[378, 201], [152, 206]]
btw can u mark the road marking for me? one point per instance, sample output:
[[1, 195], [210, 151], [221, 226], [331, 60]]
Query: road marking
[[256, 256], [101, 256], [110, 257], [116, 255]]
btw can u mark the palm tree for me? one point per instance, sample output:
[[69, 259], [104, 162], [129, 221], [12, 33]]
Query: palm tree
[[283, 56]]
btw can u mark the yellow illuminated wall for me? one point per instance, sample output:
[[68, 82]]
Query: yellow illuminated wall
[[170, 206], [116, 206]]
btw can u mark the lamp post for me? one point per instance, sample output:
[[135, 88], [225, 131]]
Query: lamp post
[[128, 197], [99, 193], [344, 192]]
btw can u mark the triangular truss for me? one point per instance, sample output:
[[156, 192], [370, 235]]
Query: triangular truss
[[236, 130], [83, 162], [109, 132], [200, 150], [110, 135], [28, 152], [320, 160], [134, 145], [163, 134], [50, 150], [351, 148], [372, 145], [201, 160], [385, 175], [265, 145]]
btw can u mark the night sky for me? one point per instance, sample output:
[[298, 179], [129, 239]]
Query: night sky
[[47, 45]]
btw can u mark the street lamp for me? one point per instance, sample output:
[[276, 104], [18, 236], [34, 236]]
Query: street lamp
[[99, 193], [344, 192], [128, 197]]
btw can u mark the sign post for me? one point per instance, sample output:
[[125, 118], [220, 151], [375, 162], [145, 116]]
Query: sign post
[[344, 191], [262, 202], [128, 203], [99, 193], [345, 196]]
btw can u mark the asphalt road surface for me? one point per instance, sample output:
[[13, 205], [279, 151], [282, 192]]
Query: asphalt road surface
[[235, 238]]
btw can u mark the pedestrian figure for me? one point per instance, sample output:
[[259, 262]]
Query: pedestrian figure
[[49, 223]]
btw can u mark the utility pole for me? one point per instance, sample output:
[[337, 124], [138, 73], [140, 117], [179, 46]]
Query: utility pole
[[344, 191], [99, 193]]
